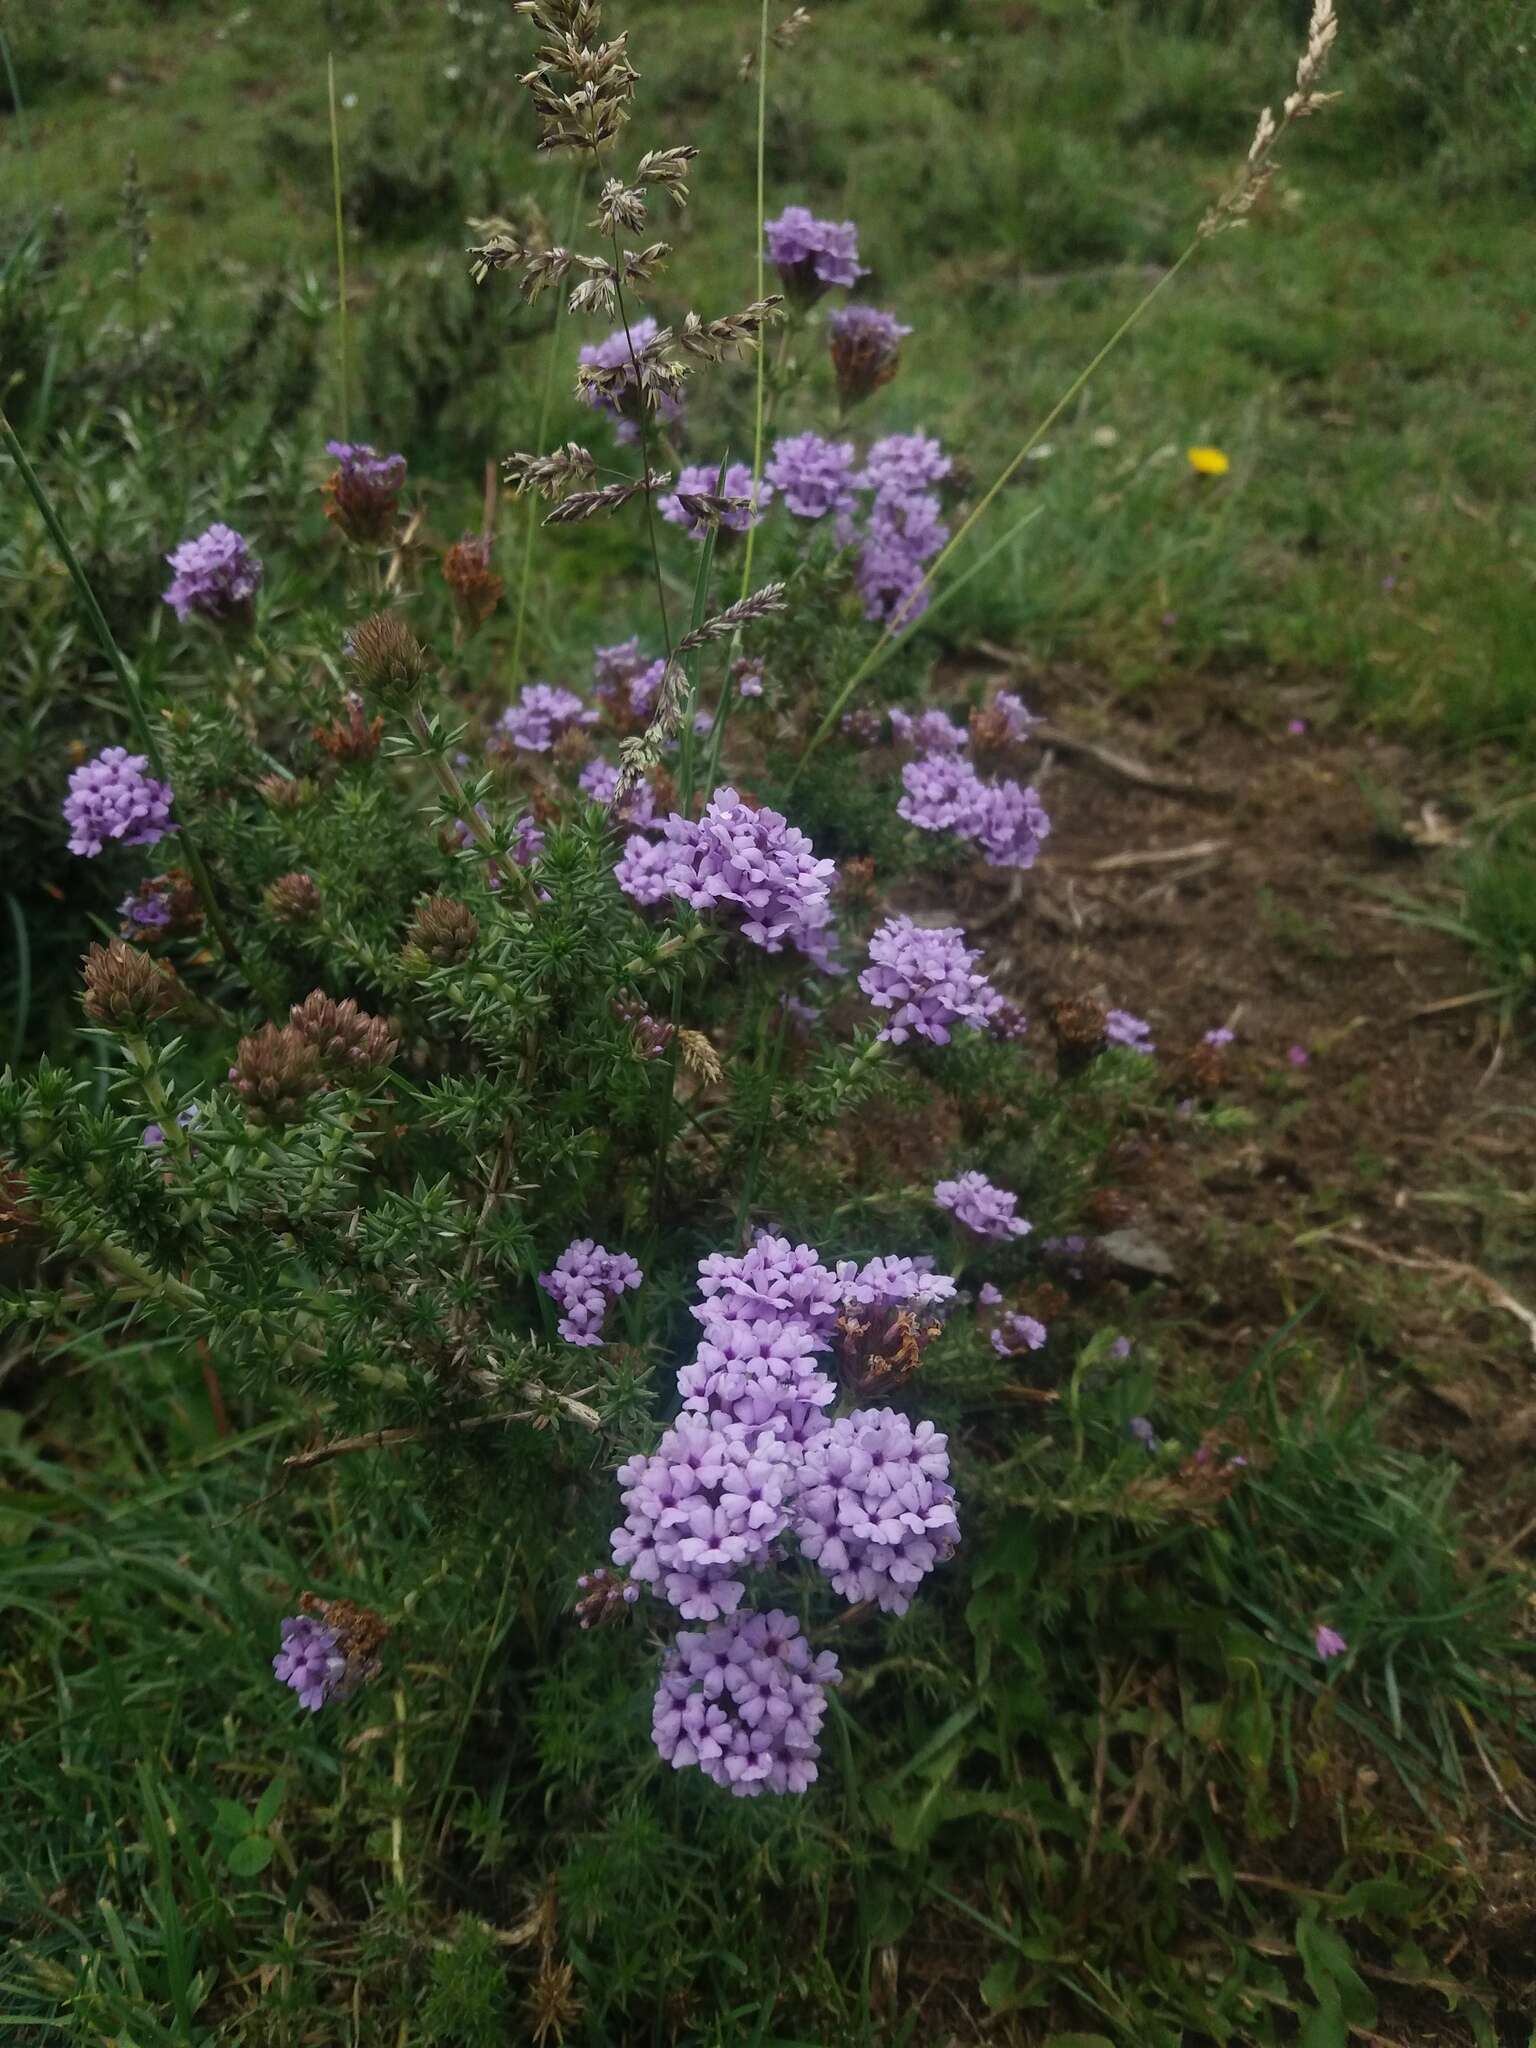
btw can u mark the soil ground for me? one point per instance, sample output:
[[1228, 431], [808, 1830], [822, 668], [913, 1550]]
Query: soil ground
[[1250, 889]]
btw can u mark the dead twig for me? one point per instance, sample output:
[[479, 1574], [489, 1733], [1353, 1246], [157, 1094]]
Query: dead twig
[[1127, 769], [1156, 856], [388, 1439], [1485, 1284]]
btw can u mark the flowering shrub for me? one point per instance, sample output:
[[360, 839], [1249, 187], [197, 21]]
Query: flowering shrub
[[455, 993]]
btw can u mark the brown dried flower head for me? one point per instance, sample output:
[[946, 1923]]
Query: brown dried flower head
[[443, 931], [856, 880], [293, 899], [362, 503], [274, 1074], [651, 1035], [467, 571], [880, 1349], [353, 737], [606, 1597], [1109, 1208], [1203, 1070], [125, 988], [285, 792], [348, 1041], [1079, 1025], [390, 663], [573, 749]]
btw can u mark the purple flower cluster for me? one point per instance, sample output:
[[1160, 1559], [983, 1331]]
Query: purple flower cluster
[[866, 350], [310, 1660], [943, 793], [812, 255], [111, 797], [1133, 1033], [1017, 718], [981, 1207], [697, 479], [744, 1701], [931, 732], [707, 1505], [753, 1460], [216, 575], [875, 1509], [1016, 1334], [752, 862], [927, 978], [814, 476], [363, 465], [541, 714], [585, 1279]]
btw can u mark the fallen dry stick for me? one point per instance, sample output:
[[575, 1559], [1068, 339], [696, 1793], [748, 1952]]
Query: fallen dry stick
[[1156, 856], [1488, 1287], [1129, 769]]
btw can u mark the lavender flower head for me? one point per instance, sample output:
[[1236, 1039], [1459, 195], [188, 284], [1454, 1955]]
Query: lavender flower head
[[697, 479], [927, 979], [744, 1703], [866, 350], [875, 1510], [1016, 1334], [894, 1282], [752, 862], [1220, 1036], [775, 1282], [904, 466], [1015, 716], [1328, 1642], [360, 463], [216, 576], [931, 732], [586, 1278], [943, 793], [904, 533], [761, 1374], [707, 1505], [981, 1207], [812, 255], [1133, 1033], [541, 714], [814, 476], [110, 797], [310, 1660]]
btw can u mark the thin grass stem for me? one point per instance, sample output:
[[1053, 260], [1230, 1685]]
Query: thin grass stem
[[341, 258]]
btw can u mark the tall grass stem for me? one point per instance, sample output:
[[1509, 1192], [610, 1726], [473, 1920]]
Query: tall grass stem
[[342, 337]]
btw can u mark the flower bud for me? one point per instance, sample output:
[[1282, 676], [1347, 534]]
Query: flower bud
[[274, 1074], [346, 1039], [125, 989], [293, 899], [390, 663], [443, 931]]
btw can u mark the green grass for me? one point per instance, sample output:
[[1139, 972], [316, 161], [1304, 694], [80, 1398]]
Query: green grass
[[1098, 1787], [1360, 352]]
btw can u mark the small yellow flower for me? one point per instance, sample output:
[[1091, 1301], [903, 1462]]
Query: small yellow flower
[[1208, 461]]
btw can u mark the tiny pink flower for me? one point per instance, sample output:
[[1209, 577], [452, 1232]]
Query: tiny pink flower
[[1296, 728], [1299, 1056], [1328, 1642]]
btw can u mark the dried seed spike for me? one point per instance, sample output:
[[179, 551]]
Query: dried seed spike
[[550, 475], [761, 604], [1238, 202], [588, 504]]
